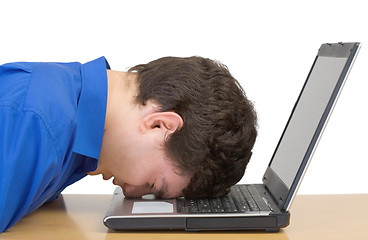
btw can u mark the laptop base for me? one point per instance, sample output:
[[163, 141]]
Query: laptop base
[[269, 221]]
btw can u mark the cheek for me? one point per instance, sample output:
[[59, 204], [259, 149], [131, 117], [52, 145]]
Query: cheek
[[176, 183]]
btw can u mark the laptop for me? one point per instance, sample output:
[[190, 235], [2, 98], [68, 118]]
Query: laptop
[[263, 206]]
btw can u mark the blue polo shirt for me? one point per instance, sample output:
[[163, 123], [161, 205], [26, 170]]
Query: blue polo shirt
[[52, 118]]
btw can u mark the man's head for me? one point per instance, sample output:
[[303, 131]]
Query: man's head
[[213, 144]]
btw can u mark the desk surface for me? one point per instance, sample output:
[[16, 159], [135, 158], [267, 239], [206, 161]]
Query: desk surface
[[80, 217]]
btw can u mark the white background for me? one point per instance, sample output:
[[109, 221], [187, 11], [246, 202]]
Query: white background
[[269, 46]]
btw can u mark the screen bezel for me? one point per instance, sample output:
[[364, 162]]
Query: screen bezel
[[278, 189]]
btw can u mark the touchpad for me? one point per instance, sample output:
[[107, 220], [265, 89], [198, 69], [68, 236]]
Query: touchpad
[[152, 207]]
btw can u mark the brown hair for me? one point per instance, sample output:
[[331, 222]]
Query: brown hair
[[214, 145]]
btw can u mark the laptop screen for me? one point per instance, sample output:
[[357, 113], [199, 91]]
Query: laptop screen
[[306, 117], [307, 120]]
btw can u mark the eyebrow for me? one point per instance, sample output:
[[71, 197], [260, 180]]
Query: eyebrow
[[163, 189]]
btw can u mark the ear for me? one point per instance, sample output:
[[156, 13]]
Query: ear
[[167, 122]]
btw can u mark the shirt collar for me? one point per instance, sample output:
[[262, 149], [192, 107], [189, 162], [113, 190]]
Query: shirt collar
[[91, 111]]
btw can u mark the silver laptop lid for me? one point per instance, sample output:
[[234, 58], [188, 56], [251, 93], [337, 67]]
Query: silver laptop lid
[[307, 120]]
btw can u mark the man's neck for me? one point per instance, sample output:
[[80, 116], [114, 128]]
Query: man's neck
[[120, 96]]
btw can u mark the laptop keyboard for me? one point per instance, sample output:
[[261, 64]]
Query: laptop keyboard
[[238, 200]]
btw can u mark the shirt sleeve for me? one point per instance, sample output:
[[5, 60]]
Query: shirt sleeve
[[28, 164]]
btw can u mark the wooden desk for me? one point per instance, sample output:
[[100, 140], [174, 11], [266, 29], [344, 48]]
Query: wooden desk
[[80, 217]]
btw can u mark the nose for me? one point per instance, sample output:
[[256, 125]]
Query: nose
[[135, 191]]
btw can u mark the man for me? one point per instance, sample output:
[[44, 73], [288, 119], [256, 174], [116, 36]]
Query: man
[[172, 127]]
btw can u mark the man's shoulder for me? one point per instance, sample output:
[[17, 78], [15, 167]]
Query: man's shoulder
[[31, 84], [54, 87], [49, 90]]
